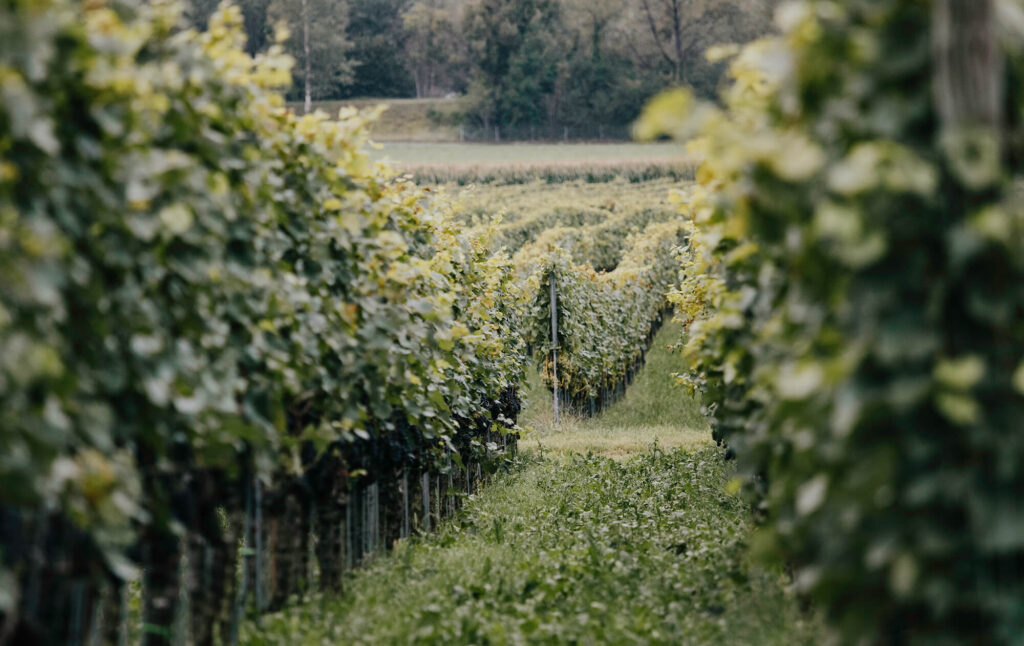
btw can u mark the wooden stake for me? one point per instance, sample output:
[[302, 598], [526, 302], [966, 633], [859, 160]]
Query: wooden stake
[[968, 81]]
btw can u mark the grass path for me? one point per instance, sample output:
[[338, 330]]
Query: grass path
[[652, 411], [627, 543]]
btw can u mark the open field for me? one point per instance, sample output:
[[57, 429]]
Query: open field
[[452, 153]]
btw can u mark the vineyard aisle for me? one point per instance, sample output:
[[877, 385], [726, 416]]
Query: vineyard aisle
[[607, 533]]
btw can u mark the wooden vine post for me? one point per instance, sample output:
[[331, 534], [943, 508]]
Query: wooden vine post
[[968, 72], [969, 88], [554, 344]]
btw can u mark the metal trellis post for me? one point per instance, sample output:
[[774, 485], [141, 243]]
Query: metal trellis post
[[554, 345]]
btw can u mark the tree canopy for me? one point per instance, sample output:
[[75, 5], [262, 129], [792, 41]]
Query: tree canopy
[[522, 62]]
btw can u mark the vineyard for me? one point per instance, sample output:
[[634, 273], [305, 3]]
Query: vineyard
[[257, 387], [230, 339]]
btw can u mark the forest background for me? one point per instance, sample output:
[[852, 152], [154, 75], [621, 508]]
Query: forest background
[[515, 63]]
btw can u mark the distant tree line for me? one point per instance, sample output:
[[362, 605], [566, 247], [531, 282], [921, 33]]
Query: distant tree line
[[521, 62]]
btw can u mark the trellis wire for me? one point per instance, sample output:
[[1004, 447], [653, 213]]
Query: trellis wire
[[122, 629], [451, 487], [32, 589], [348, 532], [180, 624], [311, 549], [77, 594]]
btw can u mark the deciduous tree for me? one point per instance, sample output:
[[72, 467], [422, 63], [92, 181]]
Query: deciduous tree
[[319, 44]]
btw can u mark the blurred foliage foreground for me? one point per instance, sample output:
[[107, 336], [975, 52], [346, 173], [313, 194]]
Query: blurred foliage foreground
[[210, 306], [854, 306]]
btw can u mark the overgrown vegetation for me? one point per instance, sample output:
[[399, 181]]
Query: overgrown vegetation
[[577, 550]]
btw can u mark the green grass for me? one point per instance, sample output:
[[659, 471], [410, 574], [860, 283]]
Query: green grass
[[405, 119], [652, 410], [572, 550]]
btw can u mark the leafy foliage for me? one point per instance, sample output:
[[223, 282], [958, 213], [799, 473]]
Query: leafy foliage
[[599, 245], [605, 320], [579, 217], [595, 172], [195, 278], [854, 299], [377, 33], [514, 46], [647, 551]]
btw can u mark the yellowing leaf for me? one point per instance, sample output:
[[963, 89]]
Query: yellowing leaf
[[958, 408], [177, 218], [799, 382], [960, 374], [1018, 378], [733, 486]]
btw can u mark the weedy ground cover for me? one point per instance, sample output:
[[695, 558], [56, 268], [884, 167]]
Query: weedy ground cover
[[406, 120], [582, 549]]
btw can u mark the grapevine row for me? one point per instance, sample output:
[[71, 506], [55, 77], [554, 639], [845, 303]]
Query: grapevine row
[[855, 312], [605, 320], [601, 245], [212, 304]]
